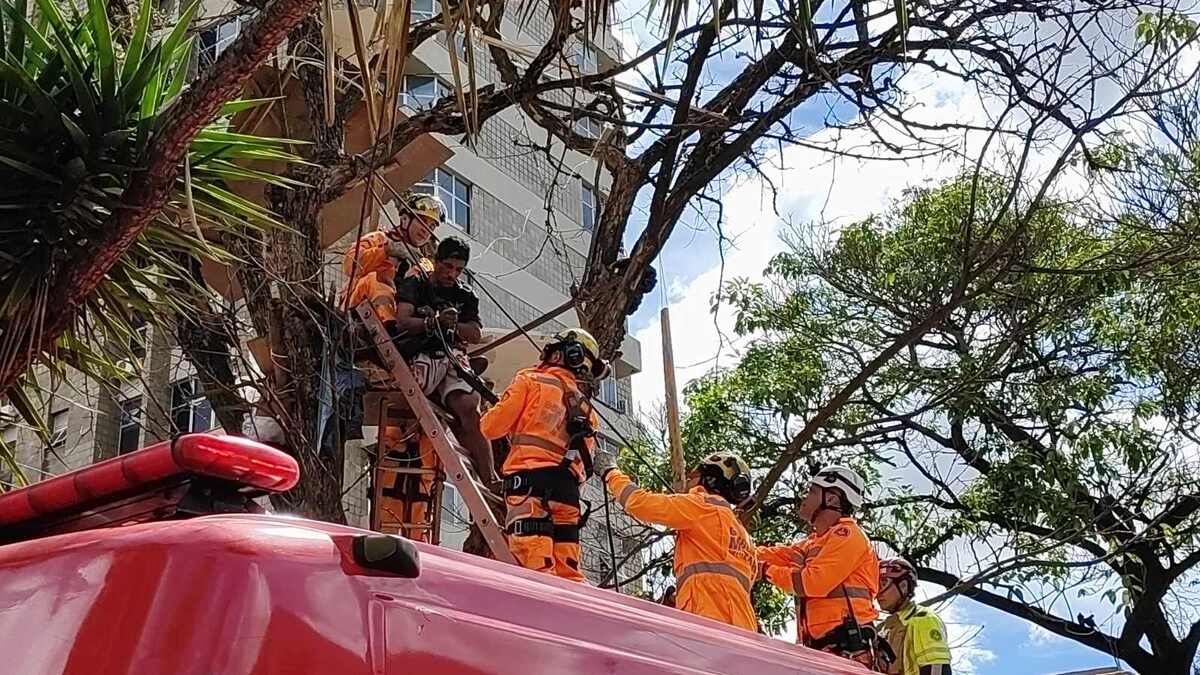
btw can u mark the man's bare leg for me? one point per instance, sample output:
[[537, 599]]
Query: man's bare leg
[[466, 414]]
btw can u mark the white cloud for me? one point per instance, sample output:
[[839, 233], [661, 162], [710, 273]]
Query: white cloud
[[813, 187], [967, 652], [1040, 637]]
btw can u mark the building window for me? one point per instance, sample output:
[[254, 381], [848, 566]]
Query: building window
[[129, 437], [421, 10], [58, 429], [217, 39], [608, 390], [587, 127], [139, 337], [190, 410], [586, 59], [454, 192], [589, 208], [421, 92]]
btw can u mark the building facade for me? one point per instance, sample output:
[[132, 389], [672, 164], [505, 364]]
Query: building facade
[[526, 206]]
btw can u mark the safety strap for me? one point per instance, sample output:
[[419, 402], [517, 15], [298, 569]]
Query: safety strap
[[566, 534], [723, 569], [835, 638], [569, 452], [532, 527]]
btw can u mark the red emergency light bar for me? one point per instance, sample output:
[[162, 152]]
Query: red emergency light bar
[[158, 472]]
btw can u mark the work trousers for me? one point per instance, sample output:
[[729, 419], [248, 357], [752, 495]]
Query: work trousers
[[543, 521]]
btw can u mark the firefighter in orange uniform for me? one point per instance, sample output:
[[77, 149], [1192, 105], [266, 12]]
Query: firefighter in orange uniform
[[715, 562], [375, 259], [550, 425], [834, 573], [410, 496]]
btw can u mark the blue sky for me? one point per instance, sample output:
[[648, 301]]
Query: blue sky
[[830, 193]]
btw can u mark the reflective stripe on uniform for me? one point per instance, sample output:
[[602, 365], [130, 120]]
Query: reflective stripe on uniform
[[626, 493], [537, 442], [548, 379], [724, 569], [839, 591]]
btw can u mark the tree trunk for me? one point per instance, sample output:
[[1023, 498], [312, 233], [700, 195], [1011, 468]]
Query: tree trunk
[[294, 260]]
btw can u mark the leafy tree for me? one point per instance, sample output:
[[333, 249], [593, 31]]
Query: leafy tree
[[95, 129], [1031, 446]]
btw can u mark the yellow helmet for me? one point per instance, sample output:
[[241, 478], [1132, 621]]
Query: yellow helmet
[[728, 475], [428, 206], [728, 464], [581, 352]]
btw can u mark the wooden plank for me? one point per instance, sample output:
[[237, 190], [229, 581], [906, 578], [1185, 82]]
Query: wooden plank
[[678, 468]]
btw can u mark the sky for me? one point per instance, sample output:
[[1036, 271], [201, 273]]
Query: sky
[[819, 190]]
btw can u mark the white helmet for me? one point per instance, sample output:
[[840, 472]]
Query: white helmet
[[842, 478]]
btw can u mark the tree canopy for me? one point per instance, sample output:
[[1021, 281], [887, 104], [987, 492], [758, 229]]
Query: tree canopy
[[1033, 446]]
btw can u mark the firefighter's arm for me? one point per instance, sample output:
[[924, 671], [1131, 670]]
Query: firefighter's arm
[[678, 512], [407, 321], [926, 644], [777, 555], [365, 255], [832, 564], [501, 419]]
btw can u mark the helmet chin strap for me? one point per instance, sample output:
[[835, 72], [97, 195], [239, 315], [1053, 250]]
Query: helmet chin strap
[[825, 506]]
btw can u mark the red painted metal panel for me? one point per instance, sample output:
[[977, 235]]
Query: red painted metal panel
[[260, 595]]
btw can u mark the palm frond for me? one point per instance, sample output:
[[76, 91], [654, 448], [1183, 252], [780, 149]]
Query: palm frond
[[77, 111]]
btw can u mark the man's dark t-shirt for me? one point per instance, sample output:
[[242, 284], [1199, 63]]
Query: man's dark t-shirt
[[420, 292]]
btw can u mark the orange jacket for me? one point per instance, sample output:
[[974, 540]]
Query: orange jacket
[[372, 259], [533, 414], [822, 571], [715, 564]]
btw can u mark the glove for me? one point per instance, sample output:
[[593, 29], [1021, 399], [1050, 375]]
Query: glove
[[448, 318], [602, 463]]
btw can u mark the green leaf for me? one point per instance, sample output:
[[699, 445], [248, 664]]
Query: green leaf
[[179, 78], [16, 39], [177, 35], [133, 88], [19, 80], [137, 42], [233, 107], [29, 410], [106, 59]]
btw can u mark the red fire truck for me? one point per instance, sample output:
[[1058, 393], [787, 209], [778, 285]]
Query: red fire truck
[[160, 562]]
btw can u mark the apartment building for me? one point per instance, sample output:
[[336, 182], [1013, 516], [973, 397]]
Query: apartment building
[[529, 222]]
